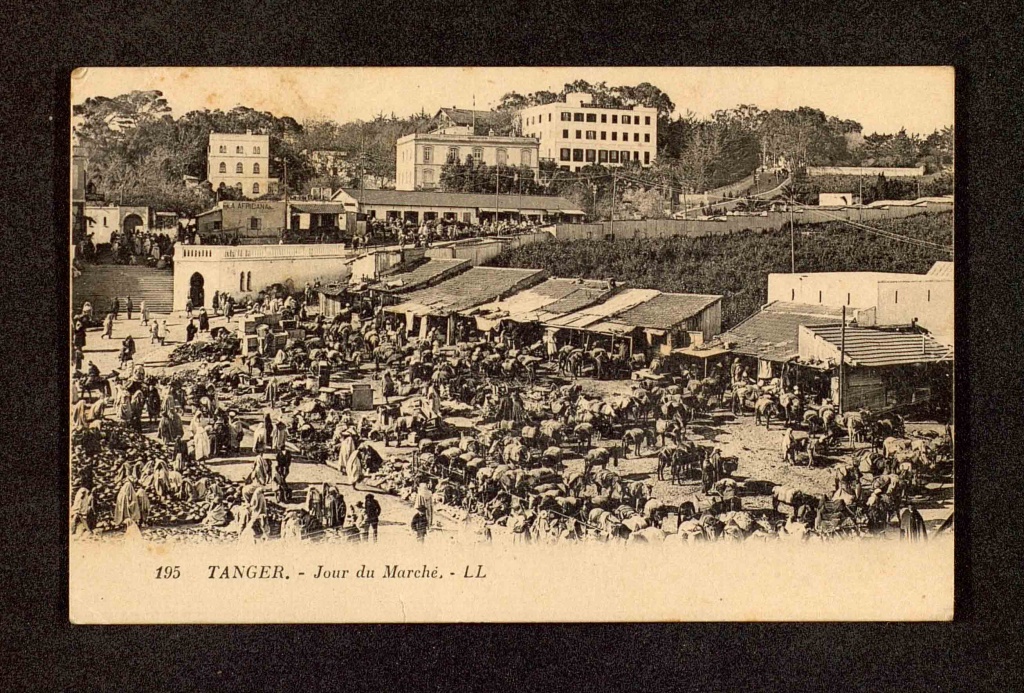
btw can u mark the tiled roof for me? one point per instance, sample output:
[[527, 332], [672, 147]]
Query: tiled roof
[[483, 201], [471, 288], [773, 333], [872, 347], [314, 207], [401, 280], [466, 116], [941, 270]]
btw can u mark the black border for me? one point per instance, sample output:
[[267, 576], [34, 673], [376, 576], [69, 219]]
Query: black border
[[45, 41]]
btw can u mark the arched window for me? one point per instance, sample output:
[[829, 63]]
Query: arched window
[[238, 168], [241, 281], [255, 188], [239, 149], [248, 281], [223, 149], [223, 167], [527, 160], [256, 169]]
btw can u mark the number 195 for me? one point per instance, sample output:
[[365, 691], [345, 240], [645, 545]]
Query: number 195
[[168, 572]]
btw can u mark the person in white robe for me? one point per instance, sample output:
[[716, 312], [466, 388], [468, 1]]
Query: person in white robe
[[354, 468], [424, 500], [200, 438]]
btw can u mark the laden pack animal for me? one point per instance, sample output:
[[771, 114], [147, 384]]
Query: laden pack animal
[[794, 498], [634, 438], [765, 409], [792, 407]]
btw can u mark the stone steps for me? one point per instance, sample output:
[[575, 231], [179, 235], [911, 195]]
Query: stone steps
[[99, 284]]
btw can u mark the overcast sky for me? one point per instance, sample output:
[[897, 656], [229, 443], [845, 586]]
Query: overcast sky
[[882, 99]]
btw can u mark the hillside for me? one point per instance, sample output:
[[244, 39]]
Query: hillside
[[737, 266]]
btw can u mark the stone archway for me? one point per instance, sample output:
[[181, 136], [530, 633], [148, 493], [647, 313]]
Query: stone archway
[[131, 222], [196, 292]]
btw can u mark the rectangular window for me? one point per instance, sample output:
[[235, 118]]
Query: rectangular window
[[636, 156], [254, 223], [577, 117], [929, 295], [478, 153], [602, 156], [647, 120], [591, 155], [625, 120], [847, 299], [896, 299], [591, 117], [565, 134], [615, 137], [564, 155], [636, 136], [604, 117], [625, 157], [625, 137], [549, 117], [577, 155], [566, 116], [613, 157], [647, 157], [615, 119], [819, 297], [591, 135], [647, 137], [792, 294], [428, 155], [579, 134], [604, 135], [467, 217]]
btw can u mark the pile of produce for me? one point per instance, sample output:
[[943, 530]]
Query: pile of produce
[[101, 458], [224, 348], [395, 476]]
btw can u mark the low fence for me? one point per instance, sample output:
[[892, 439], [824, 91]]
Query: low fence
[[662, 228]]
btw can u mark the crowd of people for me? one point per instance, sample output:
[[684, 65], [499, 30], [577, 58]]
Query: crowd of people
[[539, 458]]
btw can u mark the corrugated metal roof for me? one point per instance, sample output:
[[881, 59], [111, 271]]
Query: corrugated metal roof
[[398, 282], [471, 288], [426, 198], [871, 347], [941, 270], [773, 333]]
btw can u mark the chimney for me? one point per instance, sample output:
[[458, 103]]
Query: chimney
[[248, 131]]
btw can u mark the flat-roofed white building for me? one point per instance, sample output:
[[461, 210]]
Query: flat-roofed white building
[[574, 133], [240, 161], [420, 156]]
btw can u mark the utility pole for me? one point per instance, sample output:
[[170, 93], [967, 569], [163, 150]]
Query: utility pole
[[615, 179], [842, 362], [792, 241], [286, 212], [860, 208], [497, 180]]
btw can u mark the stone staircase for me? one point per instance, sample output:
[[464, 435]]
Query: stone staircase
[[99, 284]]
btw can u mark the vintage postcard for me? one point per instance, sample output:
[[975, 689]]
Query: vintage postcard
[[516, 344]]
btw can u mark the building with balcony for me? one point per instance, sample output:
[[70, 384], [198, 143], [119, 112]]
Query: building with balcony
[[241, 162], [575, 133]]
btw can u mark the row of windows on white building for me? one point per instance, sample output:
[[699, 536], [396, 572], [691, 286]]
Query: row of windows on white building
[[590, 118], [603, 135], [239, 168], [601, 156], [525, 155], [238, 150], [255, 188]]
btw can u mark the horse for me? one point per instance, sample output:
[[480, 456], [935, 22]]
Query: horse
[[765, 408], [635, 437]]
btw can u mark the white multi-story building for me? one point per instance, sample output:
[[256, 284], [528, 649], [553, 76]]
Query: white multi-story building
[[575, 133], [240, 161], [420, 156]]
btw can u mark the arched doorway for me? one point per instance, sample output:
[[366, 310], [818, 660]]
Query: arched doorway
[[131, 222], [195, 290]]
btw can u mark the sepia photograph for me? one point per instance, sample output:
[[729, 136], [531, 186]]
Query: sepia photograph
[[362, 331]]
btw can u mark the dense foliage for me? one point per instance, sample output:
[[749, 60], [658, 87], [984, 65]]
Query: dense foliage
[[806, 189], [737, 265]]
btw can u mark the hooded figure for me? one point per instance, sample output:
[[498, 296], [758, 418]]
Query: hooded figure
[[354, 468], [83, 512], [200, 439], [424, 501], [131, 506], [170, 428]]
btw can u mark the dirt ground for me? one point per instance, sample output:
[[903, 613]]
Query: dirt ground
[[757, 450]]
